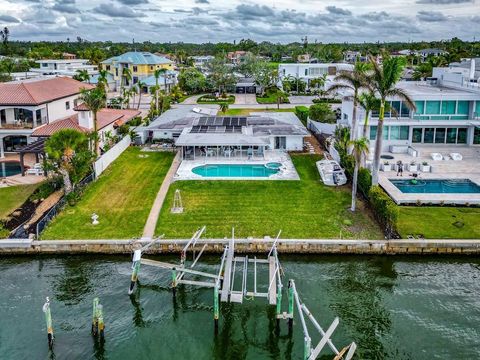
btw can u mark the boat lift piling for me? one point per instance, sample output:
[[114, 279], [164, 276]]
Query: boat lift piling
[[226, 290], [48, 320], [98, 325]]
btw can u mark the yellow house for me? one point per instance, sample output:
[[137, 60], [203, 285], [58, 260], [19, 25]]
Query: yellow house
[[142, 65]]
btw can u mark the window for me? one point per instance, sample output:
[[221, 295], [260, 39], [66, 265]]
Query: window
[[428, 135], [477, 110], [476, 135], [420, 107], [451, 135], [395, 108], [306, 72], [151, 67], [116, 72], [373, 132], [67, 105], [417, 135], [462, 136], [44, 65], [75, 102], [433, 107], [462, 108], [405, 111], [135, 69], [440, 136], [448, 107], [398, 132], [385, 132], [107, 67]]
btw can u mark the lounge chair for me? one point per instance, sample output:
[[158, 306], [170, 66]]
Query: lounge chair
[[35, 170], [436, 156], [456, 156]]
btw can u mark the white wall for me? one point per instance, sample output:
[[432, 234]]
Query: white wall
[[294, 143], [56, 109], [106, 159]]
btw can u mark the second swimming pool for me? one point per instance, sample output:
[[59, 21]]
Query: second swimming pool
[[237, 170]]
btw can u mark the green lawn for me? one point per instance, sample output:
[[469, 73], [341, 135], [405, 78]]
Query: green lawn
[[271, 97], [206, 99], [438, 222], [14, 196], [301, 209], [246, 112], [122, 197]]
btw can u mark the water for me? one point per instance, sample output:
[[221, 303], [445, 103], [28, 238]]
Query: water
[[393, 307], [235, 170], [9, 168], [462, 186]]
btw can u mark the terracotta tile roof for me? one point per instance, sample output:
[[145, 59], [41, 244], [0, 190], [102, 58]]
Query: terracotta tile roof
[[35, 92], [105, 117], [81, 107]]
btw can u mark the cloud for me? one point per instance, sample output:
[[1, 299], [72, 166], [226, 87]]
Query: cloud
[[443, 2], [133, 2], [431, 16], [116, 11], [202, 2], [338, 11], [254, 11], [66, 7], [8, 19]]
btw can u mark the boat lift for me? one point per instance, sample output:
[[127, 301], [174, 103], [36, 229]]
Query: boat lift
[[226, 289]]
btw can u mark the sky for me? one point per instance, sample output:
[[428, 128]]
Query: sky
[[278, 21]]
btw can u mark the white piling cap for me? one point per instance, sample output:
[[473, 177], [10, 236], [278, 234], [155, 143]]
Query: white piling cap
[[137, 254]]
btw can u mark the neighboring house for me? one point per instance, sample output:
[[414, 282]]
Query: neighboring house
[[237, 57], [141, 64], [68, 56], [169, 79], [424, 54], [448, 113], [246, 85], [24, 75], [308, 72], [239, 136], [352, 56], [201, 62], [64, 67], [29, 104], [467, 67]]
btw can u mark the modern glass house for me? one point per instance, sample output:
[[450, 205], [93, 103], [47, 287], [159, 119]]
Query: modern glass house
[[446, 114]]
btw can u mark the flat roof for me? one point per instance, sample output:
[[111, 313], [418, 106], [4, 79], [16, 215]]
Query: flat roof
[[418, 90]]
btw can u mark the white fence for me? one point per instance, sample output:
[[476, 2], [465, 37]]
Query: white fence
[[106, 159]]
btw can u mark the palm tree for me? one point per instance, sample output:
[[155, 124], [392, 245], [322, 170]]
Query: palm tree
[[126, 76], [102, 81], [140, 86], [383, 82], [359, 149], [157, 74], [368, 102], [355, 81], [82, 75], [95, 101], [61, 148], [224, 107]]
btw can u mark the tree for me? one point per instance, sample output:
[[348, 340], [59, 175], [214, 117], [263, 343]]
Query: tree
[[82, 75], [157, 74], [425, 69], [191, 80], [264, 75], [359, 149], [5, 35], [322, 112], [368, 102], [102, 80], [224, 107], [95, 101], [140, 86], [126, 77], [383, 82], [68, 153], [319, 82], [355, 81], [220, 74]]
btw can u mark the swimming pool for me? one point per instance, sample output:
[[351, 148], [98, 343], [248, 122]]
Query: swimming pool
[[429, 186], [9, 168], [237, 170]]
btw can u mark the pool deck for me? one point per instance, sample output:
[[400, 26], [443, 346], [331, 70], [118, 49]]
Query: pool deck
[[287, 171], [468, 168]]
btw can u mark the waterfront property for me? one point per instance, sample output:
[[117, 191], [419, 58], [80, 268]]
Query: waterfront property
[[302, 209], [64, 67], [142, 66], [122, 197]]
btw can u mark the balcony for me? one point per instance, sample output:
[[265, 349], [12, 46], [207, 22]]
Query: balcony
[[18, 124]]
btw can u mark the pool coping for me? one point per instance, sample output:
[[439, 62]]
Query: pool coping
[[433, 198]]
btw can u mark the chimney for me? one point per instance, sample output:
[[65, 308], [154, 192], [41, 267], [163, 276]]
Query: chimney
[[85, 119]]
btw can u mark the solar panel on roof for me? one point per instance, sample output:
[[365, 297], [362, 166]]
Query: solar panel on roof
[[218, 121], [202, 121], [211, 121], [243, 121], [235, 122], [195, 129]]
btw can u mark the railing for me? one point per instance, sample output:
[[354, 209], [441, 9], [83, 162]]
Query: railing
[[17, 125], [50, 215]]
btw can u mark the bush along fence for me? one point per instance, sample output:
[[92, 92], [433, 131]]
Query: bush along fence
[[55, 209]]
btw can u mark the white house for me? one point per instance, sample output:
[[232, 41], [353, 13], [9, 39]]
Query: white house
[[448, 113], [308, 72], [201, 61], [68, 67]]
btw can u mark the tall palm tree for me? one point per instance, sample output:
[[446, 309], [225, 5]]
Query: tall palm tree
[[355, 81], [61, 148], [82, 75], [368, 102], [102, 81], [359, 149], [140, 86], [383, 81], [95, 100], [157, 74], [126, 76]]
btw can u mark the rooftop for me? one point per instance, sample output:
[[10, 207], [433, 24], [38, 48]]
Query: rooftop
[[418, 89], [39, 91], [138, 58]]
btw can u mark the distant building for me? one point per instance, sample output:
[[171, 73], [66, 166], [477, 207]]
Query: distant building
[[352, 56], [68, 56], [64, 67], [141, 64], [201, 62], [424, 54], [237, 57]]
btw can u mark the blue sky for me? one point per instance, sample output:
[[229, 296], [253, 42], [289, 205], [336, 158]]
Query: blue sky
[[272, 20]]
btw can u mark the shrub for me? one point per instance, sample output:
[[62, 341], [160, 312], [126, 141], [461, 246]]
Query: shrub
[[302, 114], [323, 113], [385, 210], [47, 188]]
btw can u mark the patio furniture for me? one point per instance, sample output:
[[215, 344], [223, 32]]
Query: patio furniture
[[36, 169], [456, 156], [436, 156], [227, 152]]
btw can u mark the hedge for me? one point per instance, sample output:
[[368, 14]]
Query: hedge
[[385, 210], [302, 114]]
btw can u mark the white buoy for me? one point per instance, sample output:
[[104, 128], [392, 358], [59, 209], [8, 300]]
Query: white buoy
[[95, 219]]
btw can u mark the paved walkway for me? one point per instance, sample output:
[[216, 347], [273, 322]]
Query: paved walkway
[[192, 100], [245, 99], [149, 229]]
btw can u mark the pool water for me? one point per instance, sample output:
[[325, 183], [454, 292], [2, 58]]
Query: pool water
[[235, 170], [448, 186], [9, 168]]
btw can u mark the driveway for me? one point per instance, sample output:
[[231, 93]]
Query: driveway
[[245, 99], [301, 99]]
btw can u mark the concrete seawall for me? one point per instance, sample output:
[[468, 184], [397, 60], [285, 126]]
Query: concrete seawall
[[293, 246]]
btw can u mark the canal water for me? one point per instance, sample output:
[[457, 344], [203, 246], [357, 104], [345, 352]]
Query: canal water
[[392, 307]]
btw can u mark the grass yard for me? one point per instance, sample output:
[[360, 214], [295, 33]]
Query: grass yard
[[271, 97], [246, 112], [440, 222], [14, 196], [122, 197], [209, 99], [301, 209]]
